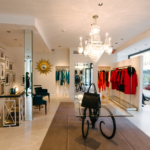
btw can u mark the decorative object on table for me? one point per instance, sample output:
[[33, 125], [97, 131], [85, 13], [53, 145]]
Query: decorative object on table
[[44, 66], [2, 88], [10, 66], [7, 78], [2, 54], [7, 63], [38, 101], [42, 92], [14, 77], [93, 46], [22, 80], [91, 100], [12, 91], [16, 90], [2, 70]]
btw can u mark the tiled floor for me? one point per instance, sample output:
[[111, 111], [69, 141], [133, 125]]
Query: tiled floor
[[30, 134], [142, 119]]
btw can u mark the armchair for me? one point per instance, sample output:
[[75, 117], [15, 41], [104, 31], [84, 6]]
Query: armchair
[[42, 92], [37, 100]]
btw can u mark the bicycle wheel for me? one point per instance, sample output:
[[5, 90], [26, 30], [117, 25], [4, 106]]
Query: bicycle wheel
[[83, 88], [77, 87]]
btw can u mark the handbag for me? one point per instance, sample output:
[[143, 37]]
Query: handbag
[[91, 100]]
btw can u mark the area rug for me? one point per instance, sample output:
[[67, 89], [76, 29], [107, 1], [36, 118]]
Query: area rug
[[65, 133]]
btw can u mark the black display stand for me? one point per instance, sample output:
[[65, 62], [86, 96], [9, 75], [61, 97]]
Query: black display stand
[[94, 115]]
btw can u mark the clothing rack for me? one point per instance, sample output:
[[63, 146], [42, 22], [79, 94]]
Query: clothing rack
[[122, 67], [131, 107]]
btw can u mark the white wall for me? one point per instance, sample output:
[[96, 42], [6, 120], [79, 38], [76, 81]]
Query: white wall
[[18, 62], [9, 52], [137, 63], [121, 57], [105, 60], [58, 58]]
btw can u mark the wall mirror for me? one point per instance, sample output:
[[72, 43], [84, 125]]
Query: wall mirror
[[83, 73], [44, 66]]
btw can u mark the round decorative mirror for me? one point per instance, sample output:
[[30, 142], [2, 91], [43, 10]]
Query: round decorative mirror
[[44, 66]]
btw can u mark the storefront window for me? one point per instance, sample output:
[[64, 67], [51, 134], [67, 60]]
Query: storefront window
[[146, 71]]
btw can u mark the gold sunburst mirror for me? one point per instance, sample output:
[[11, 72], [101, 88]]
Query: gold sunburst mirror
[[44, 66]]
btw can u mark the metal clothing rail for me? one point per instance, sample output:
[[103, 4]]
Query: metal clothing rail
[[122, 67]]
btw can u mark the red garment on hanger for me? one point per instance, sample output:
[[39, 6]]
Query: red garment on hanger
[[130, 81], [100, 81], [104, 80], [112, 79], [107, 82]]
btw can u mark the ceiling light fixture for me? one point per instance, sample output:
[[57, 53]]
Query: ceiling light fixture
[[116, 43], [59, 45], [15, 39], [100, 4], [122, 39], [8, 31], [93, 46]]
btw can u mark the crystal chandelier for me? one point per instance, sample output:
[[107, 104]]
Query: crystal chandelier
[[94, 47]]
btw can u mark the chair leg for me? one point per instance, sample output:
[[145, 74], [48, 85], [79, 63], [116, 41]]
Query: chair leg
[[39, 107], [45, 108], [49, 98]]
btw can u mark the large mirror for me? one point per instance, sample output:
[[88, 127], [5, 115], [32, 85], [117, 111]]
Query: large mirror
[[83, 73]]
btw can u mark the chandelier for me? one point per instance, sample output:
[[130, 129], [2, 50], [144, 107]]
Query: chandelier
[[94, 48]]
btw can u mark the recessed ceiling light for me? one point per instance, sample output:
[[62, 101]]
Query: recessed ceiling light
[[43, 51], [122, 39], [63, 30], [8, 31], [59, 45], [100, 4], [145, 44], [15, 39], [116, 43], [19, 45]]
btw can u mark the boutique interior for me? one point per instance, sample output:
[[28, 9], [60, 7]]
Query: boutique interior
[[74, 77]]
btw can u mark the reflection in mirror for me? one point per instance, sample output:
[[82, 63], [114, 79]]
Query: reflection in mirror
[[44, 67], [83, 73]]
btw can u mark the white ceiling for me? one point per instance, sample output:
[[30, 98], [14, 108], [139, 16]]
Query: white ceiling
[[120, 18], [17, 32], [137, 47]]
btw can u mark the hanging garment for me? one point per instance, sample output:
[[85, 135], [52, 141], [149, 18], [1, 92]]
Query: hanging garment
[[121, 88], [57, 75], [75, 71], [107, 77], [112, 79], [68, 77], [81, 72], [100, 81], [104, 80], [61, 78], [130, 80]]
